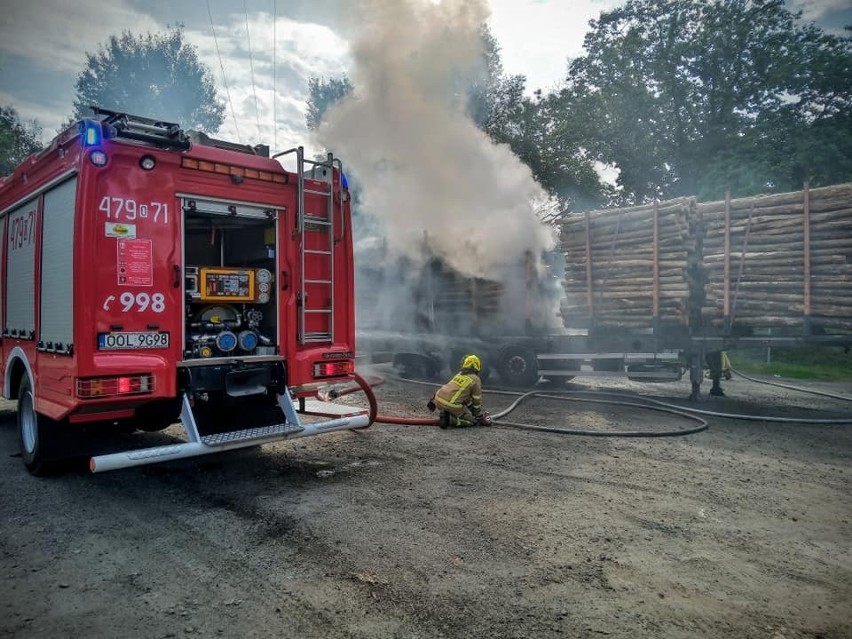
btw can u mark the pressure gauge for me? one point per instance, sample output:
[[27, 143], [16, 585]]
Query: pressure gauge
[[263, 276], [263, 287]]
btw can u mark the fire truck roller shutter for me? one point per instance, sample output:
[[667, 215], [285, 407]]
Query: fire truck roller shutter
[[56, 331], [20, 270], [2, 283]]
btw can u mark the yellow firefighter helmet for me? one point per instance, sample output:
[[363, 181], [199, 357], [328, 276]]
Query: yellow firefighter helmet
[[472, 362]]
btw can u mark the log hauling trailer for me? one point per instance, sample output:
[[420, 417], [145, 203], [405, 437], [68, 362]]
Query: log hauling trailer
[[701, 277], [151, 274], [649, 291]]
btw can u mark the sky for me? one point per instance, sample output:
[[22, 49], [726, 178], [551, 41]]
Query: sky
[[43, 46]]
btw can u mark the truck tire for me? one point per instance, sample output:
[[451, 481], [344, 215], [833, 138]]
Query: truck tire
[[517, 366], [416, 365], [36, 432]]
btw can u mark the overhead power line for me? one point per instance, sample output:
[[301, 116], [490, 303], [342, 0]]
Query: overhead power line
[[274, 86], [251, 67], [224, 78]]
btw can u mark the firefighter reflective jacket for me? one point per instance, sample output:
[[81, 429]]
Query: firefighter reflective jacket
[[463, 390]]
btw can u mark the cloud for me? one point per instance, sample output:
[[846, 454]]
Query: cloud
[[56, 34], [537, 37], [300, 50], [816, 9]]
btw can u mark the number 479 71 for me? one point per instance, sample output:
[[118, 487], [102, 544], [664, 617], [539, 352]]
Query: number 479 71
[[128, 209]]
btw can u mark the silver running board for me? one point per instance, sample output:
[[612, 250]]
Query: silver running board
[[197, 445]]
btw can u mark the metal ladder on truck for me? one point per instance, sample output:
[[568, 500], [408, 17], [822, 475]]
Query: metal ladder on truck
[[317, 237]]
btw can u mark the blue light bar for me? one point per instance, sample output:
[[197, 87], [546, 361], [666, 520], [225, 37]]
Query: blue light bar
[[91, 132]]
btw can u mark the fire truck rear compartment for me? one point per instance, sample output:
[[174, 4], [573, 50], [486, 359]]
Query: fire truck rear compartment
[[230, 318]]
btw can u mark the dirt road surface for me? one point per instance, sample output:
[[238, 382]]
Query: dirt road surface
[[741, 531]]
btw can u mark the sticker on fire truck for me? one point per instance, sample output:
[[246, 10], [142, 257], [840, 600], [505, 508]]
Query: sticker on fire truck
[[149, 339], [135, 262], [121, 230]]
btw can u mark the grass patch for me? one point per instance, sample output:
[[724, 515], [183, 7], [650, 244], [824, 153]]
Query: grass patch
[[796, 362]]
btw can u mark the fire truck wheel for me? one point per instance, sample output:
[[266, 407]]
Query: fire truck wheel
[[517, 366], [35, 432]]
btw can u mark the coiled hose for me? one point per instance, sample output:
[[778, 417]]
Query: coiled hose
[[619, 399], [375, 417]]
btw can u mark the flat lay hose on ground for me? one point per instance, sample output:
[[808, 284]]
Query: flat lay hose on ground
[[594, 397], [375, 417]]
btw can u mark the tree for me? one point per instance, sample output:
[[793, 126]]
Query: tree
[[17, 139], [158, 76], [322, 94], [495, 100], [684, 95], [499, 106]]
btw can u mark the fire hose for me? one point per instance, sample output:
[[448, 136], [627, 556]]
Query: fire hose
[[375, 417], [596, 397]]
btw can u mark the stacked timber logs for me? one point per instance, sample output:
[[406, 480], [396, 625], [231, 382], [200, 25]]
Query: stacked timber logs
[[460, 300], [779, 260], [629, 267]]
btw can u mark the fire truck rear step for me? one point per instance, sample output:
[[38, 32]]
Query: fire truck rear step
[[342, 418], [251, 434]]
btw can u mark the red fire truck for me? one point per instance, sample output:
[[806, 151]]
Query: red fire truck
[[152, 275]]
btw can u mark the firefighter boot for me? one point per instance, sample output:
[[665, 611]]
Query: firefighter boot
[[460, 422], [444, 419]]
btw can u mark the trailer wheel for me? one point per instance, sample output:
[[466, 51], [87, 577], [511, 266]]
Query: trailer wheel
[[35, 432], [517, 366]]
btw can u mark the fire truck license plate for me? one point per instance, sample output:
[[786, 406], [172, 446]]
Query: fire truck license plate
[[108, 341]]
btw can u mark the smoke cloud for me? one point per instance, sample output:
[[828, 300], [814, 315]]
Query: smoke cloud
[[436, 184]]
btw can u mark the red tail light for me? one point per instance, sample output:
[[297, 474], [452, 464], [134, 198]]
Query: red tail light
[[333, 369], [91, 387]]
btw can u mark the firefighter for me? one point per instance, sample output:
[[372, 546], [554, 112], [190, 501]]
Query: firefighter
[[719, 366], [460, 399]]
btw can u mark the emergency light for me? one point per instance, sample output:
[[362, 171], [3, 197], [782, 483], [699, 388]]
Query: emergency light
[[98, 158], [91, 132]]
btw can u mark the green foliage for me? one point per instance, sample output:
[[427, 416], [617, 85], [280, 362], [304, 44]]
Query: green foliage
[[497, 104], [688, 96], [157, 76], [810, 362], [322, 94], [17, 139]]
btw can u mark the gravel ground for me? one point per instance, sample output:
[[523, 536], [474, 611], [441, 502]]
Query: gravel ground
[[742, 530]]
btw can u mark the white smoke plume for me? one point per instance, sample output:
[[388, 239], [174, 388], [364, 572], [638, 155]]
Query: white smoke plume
[[426, 171]]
